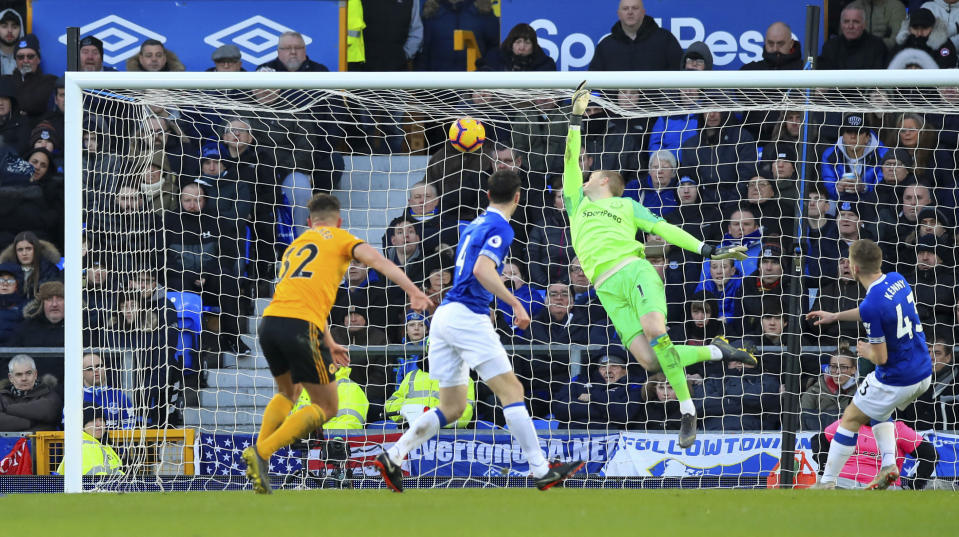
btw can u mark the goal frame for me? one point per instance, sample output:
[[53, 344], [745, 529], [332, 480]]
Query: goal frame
[[77, 82]]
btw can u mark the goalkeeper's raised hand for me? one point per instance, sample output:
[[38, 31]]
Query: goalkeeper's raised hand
[[580, 100], [726, 252]]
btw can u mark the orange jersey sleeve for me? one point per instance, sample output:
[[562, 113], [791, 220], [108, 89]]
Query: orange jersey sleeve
[[312, 269]]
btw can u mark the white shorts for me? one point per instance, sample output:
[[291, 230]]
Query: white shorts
[[461, 340], [879, 401]]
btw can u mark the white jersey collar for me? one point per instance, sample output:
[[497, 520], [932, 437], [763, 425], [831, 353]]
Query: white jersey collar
[[875, 283]]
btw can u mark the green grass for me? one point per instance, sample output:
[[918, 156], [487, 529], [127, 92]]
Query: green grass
[[486, 512]]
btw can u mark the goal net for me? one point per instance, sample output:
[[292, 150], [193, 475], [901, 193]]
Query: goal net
[[187, 191]]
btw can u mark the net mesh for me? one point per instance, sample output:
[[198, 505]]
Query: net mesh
[[191, 196]]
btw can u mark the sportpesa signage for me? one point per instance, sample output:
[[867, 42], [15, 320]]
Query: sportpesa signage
[[734, 30]]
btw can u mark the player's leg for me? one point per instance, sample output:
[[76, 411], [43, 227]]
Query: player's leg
[[884, 429], [279, 406], [323, 404], [310, 365], [448, 369], [509, 392], [428, 424], [843, 444]]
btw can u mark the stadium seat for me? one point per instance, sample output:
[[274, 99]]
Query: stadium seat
[[545, 425], [189, 314], [382, 424]]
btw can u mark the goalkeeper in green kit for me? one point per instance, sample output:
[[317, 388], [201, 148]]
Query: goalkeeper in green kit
[[603, 226]]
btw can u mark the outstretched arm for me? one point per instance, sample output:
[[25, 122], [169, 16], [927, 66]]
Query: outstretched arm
[[679, 237], [572, 174], [486, 274], [368, 255]]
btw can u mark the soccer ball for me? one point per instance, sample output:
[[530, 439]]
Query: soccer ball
[[467, 134]]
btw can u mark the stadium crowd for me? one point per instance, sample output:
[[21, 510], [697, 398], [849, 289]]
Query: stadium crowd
[[194, 203]]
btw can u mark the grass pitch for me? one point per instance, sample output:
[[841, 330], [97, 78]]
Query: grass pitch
[[486, 512]]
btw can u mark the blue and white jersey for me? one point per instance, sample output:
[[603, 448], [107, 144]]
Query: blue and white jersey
[[889, 314], [489, 235], [117, 410]]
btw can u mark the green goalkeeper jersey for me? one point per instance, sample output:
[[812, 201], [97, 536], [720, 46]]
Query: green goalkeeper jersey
[[604, 231]]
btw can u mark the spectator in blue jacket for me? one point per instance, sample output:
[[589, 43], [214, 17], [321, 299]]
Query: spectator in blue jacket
[[117, 409], [601, 398], [441, 18], [520, 51], [636, 43], [858, 151], [657, 192], [669, 132], [11, 300]]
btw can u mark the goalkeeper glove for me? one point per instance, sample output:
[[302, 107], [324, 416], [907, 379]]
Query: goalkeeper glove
[[726, 252], [580, 102]]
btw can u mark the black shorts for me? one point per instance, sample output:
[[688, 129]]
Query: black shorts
[[296, 346]]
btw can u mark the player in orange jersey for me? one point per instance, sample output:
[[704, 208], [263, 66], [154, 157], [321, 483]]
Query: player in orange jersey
[[294, 336]]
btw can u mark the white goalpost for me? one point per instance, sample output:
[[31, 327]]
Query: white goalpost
[[359, 132]]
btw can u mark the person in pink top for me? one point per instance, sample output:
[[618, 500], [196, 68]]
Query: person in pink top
[[865, 462]]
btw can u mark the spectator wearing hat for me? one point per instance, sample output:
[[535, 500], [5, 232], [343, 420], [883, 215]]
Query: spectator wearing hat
[[227, 59], [97, 456], [32, 85], [291, 56], [852, 224], [883, 18], [854, 47], [771, 332], [657, 192], [520, 51], [155, 57], [29, 403], [43, 326], [91, 55], [31, 195], [702, 220], [697, 57], [233, 198], [923, 40], [14, 128], [601, 397], [858, 151], [768, 283], [11, 300], [898, 172], [775, 214], [779, 162], [938, 222], [933, 281], [11, 31], [945, 10], [356, 329]]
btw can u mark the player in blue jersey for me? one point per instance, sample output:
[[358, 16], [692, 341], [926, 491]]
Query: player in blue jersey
[[897, 345], [462, 337]]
